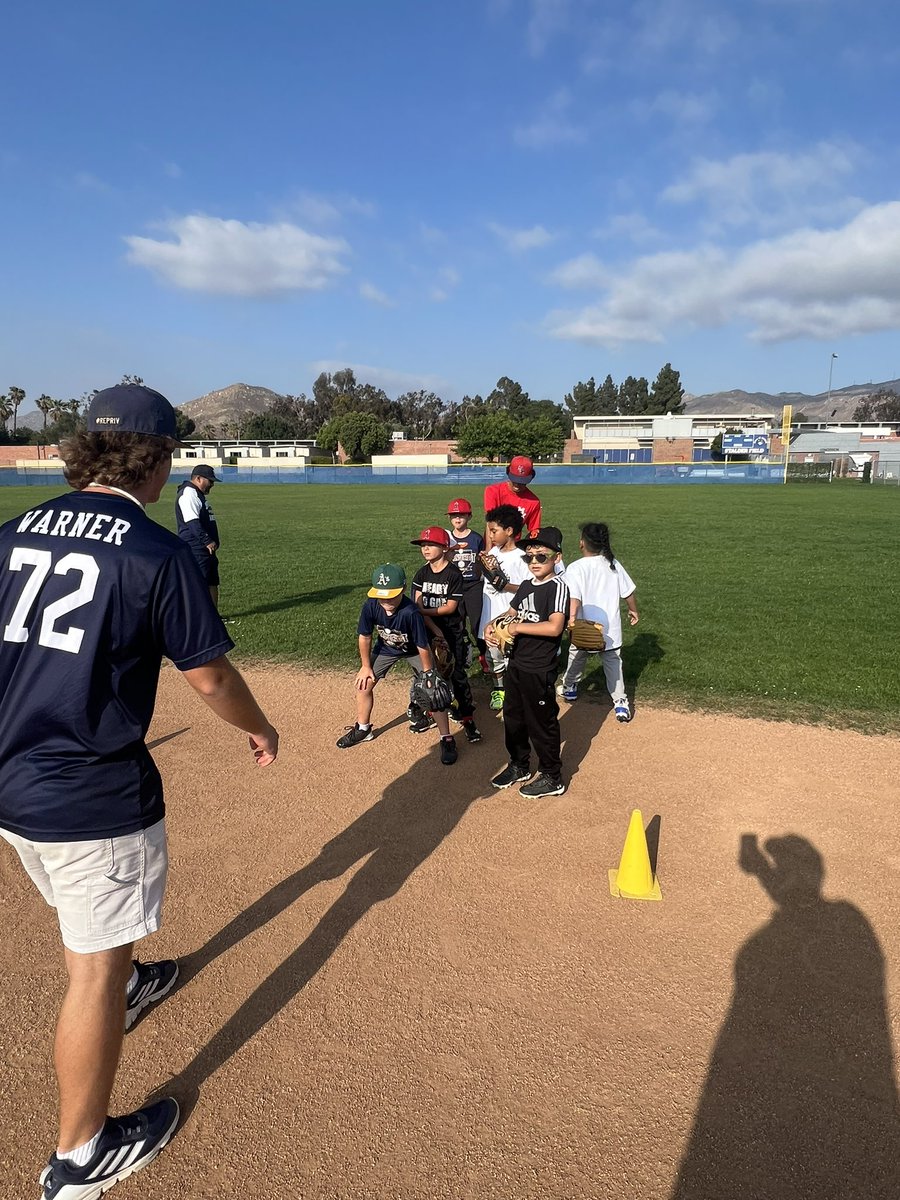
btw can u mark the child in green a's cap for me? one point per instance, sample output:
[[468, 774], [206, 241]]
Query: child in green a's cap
[[390, 628]]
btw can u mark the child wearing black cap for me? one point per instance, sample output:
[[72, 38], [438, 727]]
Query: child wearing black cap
[[540, 609]]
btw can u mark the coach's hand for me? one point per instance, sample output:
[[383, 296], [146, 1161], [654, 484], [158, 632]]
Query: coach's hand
[[264, 746]]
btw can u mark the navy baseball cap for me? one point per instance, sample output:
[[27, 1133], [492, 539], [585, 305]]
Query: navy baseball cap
[[205, 472], [132, 408], [549, 537]]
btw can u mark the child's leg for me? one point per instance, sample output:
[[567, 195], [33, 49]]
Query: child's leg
[[574, 667], [459, 680], [542, 718], [612, 669], [515, 728], [497, 660], [365, 702]]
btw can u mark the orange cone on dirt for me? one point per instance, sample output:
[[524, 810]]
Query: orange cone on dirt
[[634, 879]]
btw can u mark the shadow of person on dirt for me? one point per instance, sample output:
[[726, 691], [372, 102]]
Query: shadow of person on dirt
[[579, 724], [800, 1101], [399, 832]]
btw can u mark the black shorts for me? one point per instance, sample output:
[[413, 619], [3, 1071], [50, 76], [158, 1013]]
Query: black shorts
[[209, 568]]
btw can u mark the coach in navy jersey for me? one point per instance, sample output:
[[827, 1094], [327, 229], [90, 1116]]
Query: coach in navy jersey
[[197, 524], [92, 594]]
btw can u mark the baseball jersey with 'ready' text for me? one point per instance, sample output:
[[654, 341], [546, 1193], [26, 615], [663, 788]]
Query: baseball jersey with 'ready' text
[[93, 593]]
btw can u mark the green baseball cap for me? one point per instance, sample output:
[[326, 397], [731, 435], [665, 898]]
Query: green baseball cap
[[388, 581]]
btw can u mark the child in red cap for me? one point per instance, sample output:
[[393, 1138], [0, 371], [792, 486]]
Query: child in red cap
[[514, 490], [465, 545]]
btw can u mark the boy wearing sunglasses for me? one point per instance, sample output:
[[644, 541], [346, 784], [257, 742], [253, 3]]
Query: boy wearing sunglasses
[[540, 609]]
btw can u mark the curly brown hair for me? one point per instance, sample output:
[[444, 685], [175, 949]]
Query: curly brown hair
[[115, 459]]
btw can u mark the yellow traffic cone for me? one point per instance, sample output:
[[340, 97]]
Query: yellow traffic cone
[[634, 879]]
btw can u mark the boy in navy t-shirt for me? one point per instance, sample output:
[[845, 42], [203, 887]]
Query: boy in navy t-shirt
[[465, 546], [92, 594], [390, 628]]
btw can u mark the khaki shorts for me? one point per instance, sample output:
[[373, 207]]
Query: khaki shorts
[[106, 893]]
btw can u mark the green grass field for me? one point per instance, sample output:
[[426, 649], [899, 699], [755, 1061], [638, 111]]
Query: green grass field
[[774, 601]]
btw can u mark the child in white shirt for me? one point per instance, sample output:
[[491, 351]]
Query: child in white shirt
[[598, 583]]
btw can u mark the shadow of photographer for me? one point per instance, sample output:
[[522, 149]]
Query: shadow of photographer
[[800, 1100]]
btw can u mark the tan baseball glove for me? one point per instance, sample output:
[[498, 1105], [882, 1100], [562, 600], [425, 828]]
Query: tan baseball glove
[[504, 638], [587, 635]]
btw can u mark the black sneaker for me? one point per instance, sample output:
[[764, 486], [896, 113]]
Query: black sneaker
[[126, 1144], [511, 774], [354, 736], [424, 723], [471, 730], [544, 785], [449, 753], [154, 981]]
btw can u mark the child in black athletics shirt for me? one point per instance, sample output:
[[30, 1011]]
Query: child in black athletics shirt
[[530, 711]]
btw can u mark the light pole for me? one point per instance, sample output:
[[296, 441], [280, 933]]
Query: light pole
[[830, 370]]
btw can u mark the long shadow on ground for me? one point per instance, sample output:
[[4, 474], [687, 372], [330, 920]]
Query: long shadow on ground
[[414, 815], [800, 1102]]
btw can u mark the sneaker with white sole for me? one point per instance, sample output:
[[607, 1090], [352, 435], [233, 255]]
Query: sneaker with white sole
[[569, 694], [511, 774], [498, 695], [471, 730], [125, 1145], [354, 736], [424, 723], [622, 710], [544, 785], [155, 980]]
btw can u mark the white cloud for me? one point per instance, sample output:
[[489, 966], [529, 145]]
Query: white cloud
[[684, 108], [231, 258], [318, 209], [551, 127], [517, 240], [548, 17], [771, 189], [448, 278], [586, 271], [809, 283], [633, 227], [374, 295]]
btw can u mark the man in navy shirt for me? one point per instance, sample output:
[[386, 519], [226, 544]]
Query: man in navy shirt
[[92, 594], [197, 525]]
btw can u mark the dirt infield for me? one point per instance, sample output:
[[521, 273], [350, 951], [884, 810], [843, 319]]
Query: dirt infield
[[398, 983]]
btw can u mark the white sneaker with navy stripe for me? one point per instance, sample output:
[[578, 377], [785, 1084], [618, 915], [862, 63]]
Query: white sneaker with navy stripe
[[126, 1144], [154, 980]]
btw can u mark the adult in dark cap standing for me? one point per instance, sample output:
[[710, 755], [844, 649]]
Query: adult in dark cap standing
[[197, 524], [514, 490], [92, 594]]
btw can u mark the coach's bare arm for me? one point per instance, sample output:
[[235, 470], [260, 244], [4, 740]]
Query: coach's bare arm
[[223, 688]]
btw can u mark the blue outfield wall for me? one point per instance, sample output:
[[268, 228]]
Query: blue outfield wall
[[462, 476]]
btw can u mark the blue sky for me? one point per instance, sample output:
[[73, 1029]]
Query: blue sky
[[441, 194]]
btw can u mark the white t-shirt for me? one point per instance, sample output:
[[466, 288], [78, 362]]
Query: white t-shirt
[[516, 570], [601, 592]]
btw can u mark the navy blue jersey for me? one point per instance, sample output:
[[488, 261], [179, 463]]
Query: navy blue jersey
[[436, 588], [197, 524], [399, 635], [465, 554], [92, 594]]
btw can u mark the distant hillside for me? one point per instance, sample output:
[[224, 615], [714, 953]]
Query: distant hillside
[[227, 404], [817, 408]]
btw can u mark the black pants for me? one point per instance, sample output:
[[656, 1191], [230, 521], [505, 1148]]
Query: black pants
[[531, 718], [459, 680], [470, 605]]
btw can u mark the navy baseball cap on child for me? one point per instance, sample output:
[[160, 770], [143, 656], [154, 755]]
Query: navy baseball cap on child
[[132, 408], [549, 536], [388, 581]]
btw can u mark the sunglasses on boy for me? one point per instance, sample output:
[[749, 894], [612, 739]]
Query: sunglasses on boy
[[541, 557]]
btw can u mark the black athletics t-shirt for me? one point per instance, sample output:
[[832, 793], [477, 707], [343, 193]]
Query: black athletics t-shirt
[[536, 602], [436, 588]]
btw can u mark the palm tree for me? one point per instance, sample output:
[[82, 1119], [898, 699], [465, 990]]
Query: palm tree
[[45, 406], [16, 396], [6, 410], [57, 408]]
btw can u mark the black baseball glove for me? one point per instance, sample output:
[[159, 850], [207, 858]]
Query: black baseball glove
[[431, 693], [492, 571]]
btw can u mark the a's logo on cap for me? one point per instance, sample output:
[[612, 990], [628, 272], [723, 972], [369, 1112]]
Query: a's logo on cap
[[383, 579]]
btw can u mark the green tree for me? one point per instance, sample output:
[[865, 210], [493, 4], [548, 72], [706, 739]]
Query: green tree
[[136, 379], [270, 425], [540, 437], [44, 404], [508, 396], [634, 397], [184, 425], [360, 434], [539, 410], [493, 436], [419, 413], [16, 396], [667, 394], [6, 410], [583, 399], [607, 398]]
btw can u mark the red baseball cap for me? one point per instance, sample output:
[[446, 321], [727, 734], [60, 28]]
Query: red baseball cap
[[521, 468], [455, 507], [432, 536]]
